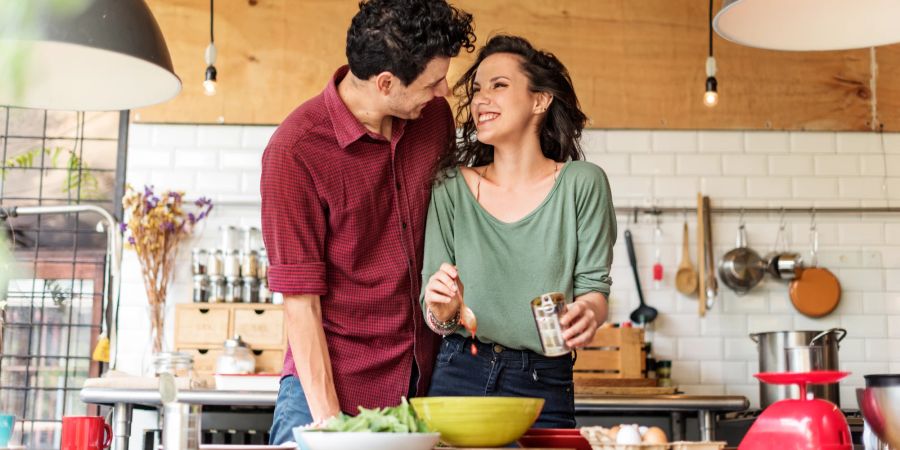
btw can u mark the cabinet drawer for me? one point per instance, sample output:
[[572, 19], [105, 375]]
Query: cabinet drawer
[[204, 359], [197, 326], [269, 361], [260, 328]]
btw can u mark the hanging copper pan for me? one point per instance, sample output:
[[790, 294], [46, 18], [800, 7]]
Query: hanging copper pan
[[816, 292]]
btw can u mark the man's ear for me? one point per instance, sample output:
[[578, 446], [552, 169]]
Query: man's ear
[[384, 82]]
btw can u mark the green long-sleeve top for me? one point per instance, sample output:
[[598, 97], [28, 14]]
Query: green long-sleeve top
[[564, 245]]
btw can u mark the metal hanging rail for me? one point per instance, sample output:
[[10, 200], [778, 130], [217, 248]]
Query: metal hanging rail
[[655, 211]]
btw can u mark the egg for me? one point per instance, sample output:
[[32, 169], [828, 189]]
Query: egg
[[613, 432], [655, 436], [628, 435]]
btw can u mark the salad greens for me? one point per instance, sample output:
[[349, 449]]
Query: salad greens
[[396, 419]]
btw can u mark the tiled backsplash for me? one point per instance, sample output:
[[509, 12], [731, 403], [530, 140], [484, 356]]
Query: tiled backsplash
[[711, 355]]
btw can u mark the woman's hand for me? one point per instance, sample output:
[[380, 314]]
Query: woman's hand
[[443, 293], [582, 318]]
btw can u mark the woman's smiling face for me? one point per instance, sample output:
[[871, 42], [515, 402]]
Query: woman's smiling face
[[503, 106]]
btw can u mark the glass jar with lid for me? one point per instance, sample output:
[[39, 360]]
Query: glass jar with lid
[[250, 290], [199, 261], [216, 289], [236, 358], [215, 265], [201, 288], [233, 290], [262, 272], [249, 263], [177, 364], [232, 263]]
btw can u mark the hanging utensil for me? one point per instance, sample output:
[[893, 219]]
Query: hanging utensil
[[781, 264], [643, 314], [816, 292], [702, 280], [657, 252], [712, 285], [741, 269], [686, 277]]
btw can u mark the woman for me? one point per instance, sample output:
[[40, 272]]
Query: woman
[[514, 214]]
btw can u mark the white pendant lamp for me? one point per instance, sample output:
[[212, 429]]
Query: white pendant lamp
[[805, 25], [112, 56]]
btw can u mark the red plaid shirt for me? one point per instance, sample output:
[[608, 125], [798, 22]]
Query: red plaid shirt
[[343, 217]]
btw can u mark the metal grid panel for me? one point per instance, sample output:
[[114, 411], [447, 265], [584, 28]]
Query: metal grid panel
[[55, 297]]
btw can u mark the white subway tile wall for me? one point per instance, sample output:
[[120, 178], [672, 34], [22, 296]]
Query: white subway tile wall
[[711, 355]]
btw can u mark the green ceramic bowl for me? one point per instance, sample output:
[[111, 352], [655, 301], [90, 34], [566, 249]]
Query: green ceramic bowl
[[478, 421]]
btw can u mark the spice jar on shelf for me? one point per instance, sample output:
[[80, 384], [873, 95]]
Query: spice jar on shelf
[[232, 263], [215, 265], [233, 290], [201, 288], [199, 261], [250, 290], [265, 295], [249, 263], [216, 289]]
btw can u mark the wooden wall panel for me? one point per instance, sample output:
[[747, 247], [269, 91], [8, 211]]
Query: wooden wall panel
[[635, 64]]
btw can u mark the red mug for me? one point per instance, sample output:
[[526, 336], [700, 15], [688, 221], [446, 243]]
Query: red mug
[[85, 433]]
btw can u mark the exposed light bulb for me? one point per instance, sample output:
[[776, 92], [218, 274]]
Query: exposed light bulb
[[711, 96], [209, 83]]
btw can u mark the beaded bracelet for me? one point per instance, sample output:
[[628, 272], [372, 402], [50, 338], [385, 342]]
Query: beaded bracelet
[[443, 328]]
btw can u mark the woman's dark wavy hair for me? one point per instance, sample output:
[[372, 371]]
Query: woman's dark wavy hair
[[402, 36], [559, 133]]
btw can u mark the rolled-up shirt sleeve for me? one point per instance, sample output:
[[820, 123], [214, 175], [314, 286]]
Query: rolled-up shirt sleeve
[[596, 234], [293, 223]]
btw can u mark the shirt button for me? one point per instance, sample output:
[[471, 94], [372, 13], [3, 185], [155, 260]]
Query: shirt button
[[404, 225], [398, 185], [409, 261]]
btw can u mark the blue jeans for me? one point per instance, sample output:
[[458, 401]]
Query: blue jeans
[[502, 372], [292, 409]]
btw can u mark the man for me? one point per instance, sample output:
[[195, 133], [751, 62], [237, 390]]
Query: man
[[345, 188]]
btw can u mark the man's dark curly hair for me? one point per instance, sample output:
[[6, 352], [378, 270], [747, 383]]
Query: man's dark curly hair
[[402, 36]]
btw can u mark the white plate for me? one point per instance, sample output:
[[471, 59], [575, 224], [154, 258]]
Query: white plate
[[327, 440], [261, 382], [290, 445]]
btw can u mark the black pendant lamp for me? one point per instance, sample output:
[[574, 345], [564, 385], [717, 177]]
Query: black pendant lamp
[[111, 56]]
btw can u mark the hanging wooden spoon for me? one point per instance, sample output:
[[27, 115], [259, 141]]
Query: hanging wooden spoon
[[686, 280]]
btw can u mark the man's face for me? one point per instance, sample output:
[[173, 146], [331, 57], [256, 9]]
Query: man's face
[[407, 102]]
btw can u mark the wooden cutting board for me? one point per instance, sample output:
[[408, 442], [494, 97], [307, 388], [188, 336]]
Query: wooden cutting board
[[595, 391], [587, 380]]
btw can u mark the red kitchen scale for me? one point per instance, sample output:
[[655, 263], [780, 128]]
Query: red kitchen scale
[[795, 424]]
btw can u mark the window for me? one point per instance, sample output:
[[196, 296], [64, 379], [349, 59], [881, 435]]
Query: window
[[56, 300]]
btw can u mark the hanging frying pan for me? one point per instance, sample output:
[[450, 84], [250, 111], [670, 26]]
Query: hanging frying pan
[[816, 292]]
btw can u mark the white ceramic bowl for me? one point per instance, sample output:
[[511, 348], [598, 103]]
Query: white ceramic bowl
[[328, 440]]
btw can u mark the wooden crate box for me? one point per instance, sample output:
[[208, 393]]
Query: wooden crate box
[[615, 353]]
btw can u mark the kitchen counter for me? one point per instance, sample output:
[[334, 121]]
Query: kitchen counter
[[124, 400], [704, 406]]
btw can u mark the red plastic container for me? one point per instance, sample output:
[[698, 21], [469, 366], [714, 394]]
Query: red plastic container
[[554, 438]]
